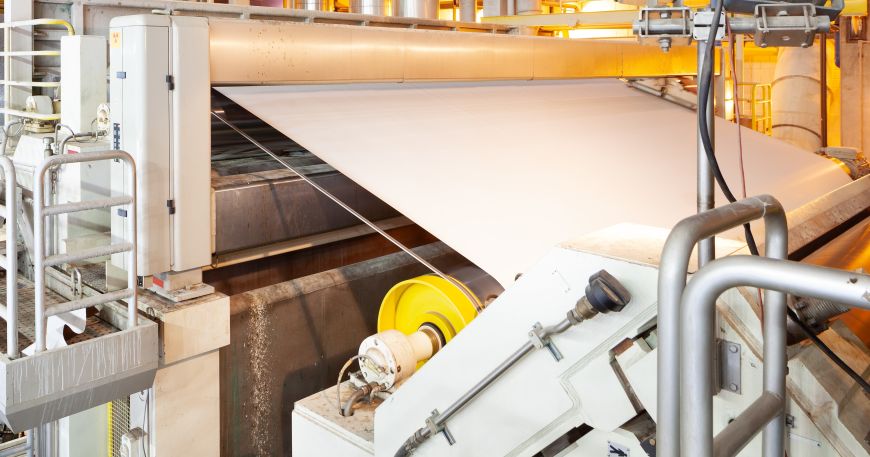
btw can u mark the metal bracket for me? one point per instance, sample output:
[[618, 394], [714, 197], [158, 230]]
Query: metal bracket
[[664, 25], [536, 336], [703, 20], [729, 367], [786, 24], [432, 423]]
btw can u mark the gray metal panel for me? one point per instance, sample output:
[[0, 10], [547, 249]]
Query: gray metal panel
[[54, 384], [252, 211]]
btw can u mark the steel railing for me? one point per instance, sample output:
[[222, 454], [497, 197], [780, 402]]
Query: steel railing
[[759, 104], [674, 267], [41, 211], [698, 327], [7, 55], [9, 261]]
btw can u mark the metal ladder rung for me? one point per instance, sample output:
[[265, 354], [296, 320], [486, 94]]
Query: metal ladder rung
[[29, 53], [74, 207], [74, 305], [90, 253], [49, 84]]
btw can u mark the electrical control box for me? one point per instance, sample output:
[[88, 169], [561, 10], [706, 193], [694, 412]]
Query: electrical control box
[[160, 104]]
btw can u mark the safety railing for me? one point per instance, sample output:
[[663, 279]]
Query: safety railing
[[698, 317], [41, 212], [673, 269], [7, 55], [9, 261], [760, 112]]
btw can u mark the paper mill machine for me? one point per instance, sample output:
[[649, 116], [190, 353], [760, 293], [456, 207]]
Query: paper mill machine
[[229, 261]]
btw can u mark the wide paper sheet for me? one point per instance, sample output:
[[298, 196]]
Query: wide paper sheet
[[502, 171]]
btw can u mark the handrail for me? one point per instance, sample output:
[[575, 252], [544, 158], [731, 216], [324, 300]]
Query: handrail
[[49, 84], [699, 305], [41, 211], [29, 115], [42, 21], [9, 261], [673, 268], [7, 55]]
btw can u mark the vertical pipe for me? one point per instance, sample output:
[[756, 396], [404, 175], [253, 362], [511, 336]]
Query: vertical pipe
[[39, 257], [132, 278], [468, 10], [7, 74], [823, 86], [11, 257], [706, 199], [775, 334]]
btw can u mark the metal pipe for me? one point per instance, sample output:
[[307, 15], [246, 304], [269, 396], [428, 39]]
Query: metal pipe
[[356, 396], [823, 87], [87, 302], [74, 207], [699, 306], [11, 265], [498, 371], [90, 253], [706, 195], [673, 270], [77, 136], [493, 375], [736, 435], [440, 419], [468, 10]]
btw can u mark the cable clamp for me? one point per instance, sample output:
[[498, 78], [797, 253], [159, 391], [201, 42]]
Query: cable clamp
[[540, 341], [435, 427]]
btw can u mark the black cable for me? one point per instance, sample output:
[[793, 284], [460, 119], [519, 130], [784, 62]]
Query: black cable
[[705, 79], [828, 351]]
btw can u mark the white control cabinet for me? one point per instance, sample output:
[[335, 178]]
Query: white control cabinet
[[160, 102]]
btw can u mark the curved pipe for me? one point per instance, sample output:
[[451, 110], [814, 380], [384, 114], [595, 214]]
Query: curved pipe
[[698, 323], [673, 268], [76, 136], [355, 397]]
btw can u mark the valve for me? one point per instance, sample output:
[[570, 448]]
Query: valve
[[604, 294]]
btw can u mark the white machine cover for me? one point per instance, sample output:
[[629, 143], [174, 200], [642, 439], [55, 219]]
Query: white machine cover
[[502, 171]]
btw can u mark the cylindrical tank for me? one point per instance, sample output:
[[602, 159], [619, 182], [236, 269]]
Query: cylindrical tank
[[468, 10], [314, 5], [795, 98], [373, 7], [423, 9], [529, 6]]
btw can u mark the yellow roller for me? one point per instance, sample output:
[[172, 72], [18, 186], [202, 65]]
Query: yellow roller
[[431, 301]]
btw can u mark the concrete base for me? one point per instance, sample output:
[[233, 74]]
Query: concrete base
[[181, 413]]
